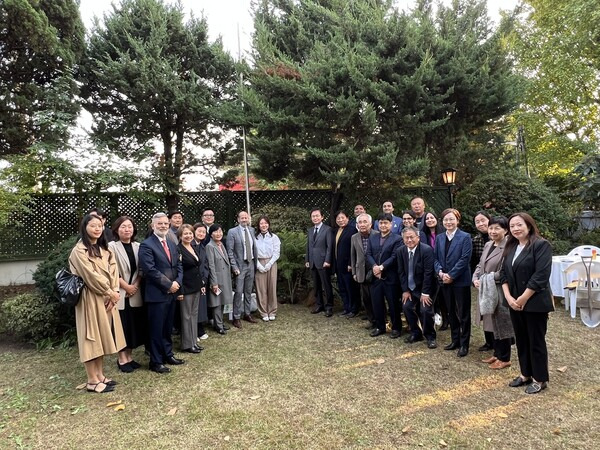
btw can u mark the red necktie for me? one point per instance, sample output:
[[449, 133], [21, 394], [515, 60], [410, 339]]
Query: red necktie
[[166, 247]]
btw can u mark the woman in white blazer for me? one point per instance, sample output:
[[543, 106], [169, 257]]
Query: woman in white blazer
[[125, 249]]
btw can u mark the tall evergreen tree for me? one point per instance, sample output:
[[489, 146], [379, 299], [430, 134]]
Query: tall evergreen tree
[[149, 77], [41, 42]]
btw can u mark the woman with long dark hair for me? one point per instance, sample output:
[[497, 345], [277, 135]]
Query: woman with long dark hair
[[130, 305], [268, 248], [525, 281], [99, 330], [199, 243]]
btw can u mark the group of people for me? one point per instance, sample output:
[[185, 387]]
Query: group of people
[[179, 277], [421, 265]]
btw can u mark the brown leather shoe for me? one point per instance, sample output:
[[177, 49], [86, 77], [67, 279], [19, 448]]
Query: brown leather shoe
[[500, 364], [249, 318], [237, 323], [490, 360]]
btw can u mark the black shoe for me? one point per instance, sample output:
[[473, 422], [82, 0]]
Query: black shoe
[[536, 387], [174, 361], [134, 364], [328, 313], [451, 346], [199, 347], [351, 315], [344, 314], [518, 382], [412, 339], [432, 344], [395, 334], [126, 368], [192, 350], [159, 368], [463, 351], [377, 332], [221, 331], [485, 348], [444, 327], [317, 310], [364, 318], [225, 327]]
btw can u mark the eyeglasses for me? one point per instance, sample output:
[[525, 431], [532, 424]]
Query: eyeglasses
[[208, 215]]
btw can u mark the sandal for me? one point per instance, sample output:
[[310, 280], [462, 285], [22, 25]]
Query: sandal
[[108, 382], [95, 388]]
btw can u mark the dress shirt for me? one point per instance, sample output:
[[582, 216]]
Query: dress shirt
[[451, 235]]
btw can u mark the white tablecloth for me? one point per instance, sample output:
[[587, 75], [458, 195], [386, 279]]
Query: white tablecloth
[[558, 278]]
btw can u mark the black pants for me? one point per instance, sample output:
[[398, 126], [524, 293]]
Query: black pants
[[322, 282], [365, 293], [416, 312], [458, 303], [530, 334], [380, 291], [502, 349]]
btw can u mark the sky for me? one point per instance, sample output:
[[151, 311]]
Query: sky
[[225, 16]]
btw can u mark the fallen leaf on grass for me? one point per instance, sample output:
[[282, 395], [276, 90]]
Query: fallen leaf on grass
[[406, 429], [489, 439], [380, 361], [109, 404], [443, 443], [254, 397], [120, 407], [503, 415], [226, 438], [562, 369], [556, 431], [81, 386], [172, 412]]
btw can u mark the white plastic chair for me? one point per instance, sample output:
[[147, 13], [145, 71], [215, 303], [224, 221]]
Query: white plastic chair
[[584, 250], [578, 297]]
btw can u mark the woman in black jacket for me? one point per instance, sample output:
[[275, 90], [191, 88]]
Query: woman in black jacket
[[525, 283], [191, 289]]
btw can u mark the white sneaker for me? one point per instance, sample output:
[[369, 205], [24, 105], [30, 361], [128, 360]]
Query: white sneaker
[[272, 317], [266, 319], [203, 337]]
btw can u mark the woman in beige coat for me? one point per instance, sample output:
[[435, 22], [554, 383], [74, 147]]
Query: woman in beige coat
[[499, 322], [99, 330]]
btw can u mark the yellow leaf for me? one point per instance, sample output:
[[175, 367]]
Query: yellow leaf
[[172, 412], [81, 386], [443, 443], [108, 405], [380, 361], [226, 438], [562, 369], [556, 431], [254, 397], [503, 415], [120, 407], [489, 439], [406, 429]]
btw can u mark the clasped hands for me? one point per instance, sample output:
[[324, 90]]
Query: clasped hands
[[446, 279], [516, 304], [111, 300]]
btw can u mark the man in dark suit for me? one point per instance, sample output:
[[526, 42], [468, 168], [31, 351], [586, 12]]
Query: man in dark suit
[[381, 258], [175, 221], [343, 267], [319, 249], [416, 273], [358, 259], [163, 274], [241, 249]]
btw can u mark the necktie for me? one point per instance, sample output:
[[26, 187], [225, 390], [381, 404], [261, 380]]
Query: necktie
[[166, 247], [248, 245], [315, 234], [411, 271]]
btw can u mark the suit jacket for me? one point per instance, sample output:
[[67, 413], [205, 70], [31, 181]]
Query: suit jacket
[[530, 270], [192, 271], [358, 257], [219, 269], [456, 263], [319, 249], [423, 272], [341, 252], [396, 225], [159, 272], [384, 255], [235, 246], [125, 271]]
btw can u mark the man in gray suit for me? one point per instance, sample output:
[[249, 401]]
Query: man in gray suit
[[319, 248], [241, 248], [359, 243]]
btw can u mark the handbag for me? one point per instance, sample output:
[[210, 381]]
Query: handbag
[[369, 276], [68, 287]]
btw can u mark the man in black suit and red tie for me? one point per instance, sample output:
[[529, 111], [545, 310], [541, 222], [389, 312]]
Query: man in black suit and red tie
[[319, 250], [163, 274], [416, 273]]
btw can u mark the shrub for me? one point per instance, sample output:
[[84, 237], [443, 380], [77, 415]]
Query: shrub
[[561, 247], [290, 266], [284, 218], [506, 192], [30, 316], [47, 269]]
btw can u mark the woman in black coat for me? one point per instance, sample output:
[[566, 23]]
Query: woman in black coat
[[525, 282]]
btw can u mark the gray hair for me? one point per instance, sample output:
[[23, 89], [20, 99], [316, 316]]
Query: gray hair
[[410, 228], [158, 215], [368, 217]]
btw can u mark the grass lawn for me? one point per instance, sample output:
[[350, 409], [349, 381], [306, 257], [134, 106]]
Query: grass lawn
[[306, 381]]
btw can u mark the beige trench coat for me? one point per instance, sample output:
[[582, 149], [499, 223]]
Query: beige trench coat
[[95, 326]]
